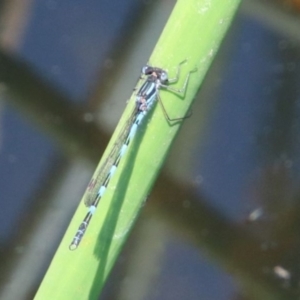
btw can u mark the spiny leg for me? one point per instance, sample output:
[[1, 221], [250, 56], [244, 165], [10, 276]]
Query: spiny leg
[[166, 114], [181, 92], [174, 80]]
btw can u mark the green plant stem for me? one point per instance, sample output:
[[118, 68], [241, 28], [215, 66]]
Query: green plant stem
[[194, 32]]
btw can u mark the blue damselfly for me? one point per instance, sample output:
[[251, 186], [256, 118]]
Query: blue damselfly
[[153, 79]]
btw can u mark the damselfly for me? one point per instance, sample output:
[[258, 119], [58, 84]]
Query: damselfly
[[153, 79]]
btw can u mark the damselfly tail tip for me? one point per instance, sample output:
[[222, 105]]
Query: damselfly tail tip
[[73, 247]]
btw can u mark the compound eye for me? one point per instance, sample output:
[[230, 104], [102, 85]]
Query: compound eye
[[164, 76], [146, 70]]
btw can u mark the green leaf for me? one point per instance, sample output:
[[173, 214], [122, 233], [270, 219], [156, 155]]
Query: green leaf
[[194, 32]]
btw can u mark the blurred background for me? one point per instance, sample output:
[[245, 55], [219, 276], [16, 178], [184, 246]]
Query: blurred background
[[223, 220]]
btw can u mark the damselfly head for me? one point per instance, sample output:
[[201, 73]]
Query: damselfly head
[[159, 73]]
